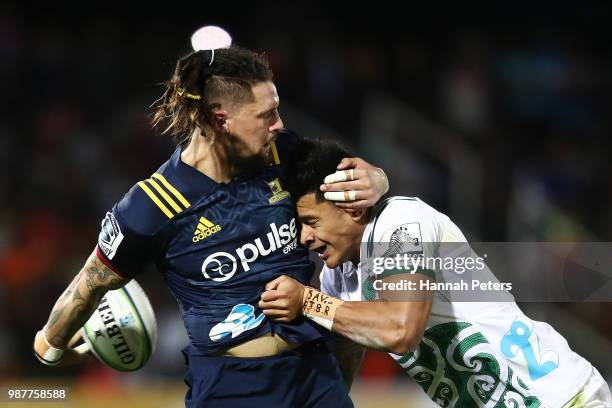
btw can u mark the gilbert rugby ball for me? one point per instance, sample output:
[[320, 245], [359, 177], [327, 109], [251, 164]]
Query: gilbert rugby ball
[[122, 331]]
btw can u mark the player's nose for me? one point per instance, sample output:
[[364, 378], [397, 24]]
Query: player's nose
[[306, 236], [277, 125]]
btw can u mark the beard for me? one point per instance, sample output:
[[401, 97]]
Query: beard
[[252, 164]]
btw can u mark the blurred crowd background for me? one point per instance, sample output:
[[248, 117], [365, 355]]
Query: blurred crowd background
[[499, 118]]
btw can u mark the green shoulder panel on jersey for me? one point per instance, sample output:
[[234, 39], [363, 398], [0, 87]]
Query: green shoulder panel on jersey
[[165, 196]]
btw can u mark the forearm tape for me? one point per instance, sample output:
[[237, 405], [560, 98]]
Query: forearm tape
[[319, 307]]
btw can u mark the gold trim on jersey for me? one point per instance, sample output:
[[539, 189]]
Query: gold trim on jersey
[[274, 152], [174, 191], [161, 198], [165, 195]]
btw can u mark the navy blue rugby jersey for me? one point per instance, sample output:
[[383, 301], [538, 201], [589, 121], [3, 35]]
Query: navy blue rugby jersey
[[216, 244]]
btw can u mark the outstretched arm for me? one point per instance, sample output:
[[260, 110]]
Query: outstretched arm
[[72, 310], [395, 327]]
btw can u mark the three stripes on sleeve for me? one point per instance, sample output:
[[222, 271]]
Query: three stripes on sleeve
[[169, 200]]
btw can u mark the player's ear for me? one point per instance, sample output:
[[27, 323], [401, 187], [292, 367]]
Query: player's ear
[[219, 121], [356, 214]]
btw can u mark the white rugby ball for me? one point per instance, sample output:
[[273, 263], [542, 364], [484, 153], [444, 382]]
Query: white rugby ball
[[122, 331]]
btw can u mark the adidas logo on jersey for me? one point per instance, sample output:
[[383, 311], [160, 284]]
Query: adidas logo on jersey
[[205, 229]]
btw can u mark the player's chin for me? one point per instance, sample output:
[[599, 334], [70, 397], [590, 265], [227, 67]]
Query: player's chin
[[331, 262]]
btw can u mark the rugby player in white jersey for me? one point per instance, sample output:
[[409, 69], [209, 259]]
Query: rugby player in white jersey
[[463, 354]]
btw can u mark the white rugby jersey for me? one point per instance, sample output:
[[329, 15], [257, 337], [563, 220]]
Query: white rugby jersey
[[473, 354]]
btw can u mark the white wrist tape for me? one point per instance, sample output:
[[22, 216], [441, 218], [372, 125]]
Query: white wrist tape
[[52, 355], [319, 307], [320, 321]]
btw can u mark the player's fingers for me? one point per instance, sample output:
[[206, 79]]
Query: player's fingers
[[74, 339], [346, 175], [341, 175], [345, 186], [271, 295], [82, 348], [342, 196], [274, 313], [273, 284], [266, 304], [349, 162], [278, 304], [71, 357], [359, 174]]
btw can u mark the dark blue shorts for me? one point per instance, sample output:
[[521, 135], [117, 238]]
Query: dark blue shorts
[[306, 377]]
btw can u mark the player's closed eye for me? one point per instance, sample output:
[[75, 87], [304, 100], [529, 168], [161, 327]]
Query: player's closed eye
[[311, 222]]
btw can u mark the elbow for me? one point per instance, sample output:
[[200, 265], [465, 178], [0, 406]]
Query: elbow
[[405, 339]]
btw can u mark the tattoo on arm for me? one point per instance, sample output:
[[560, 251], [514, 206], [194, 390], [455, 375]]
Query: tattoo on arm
[[55, 315], [58, 311], [99, 275], [79, 313], [77, 295], [79, 300]]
